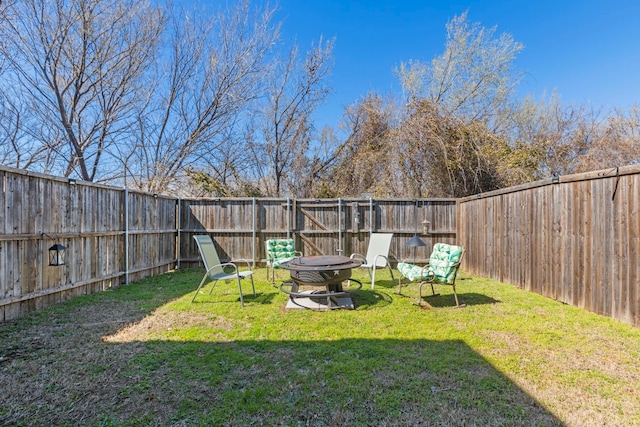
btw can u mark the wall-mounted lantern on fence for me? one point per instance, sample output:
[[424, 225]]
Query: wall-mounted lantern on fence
[[56, 255], [426, 227]]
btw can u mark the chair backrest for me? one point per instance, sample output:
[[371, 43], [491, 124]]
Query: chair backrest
[[279, 250], [379, 244], [209, 254], [445, 261]]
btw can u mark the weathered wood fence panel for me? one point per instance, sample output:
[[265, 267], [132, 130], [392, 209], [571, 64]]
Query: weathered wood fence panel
[[576, 240], [240, 227], [89, 220], [151, 235], [40, 210]]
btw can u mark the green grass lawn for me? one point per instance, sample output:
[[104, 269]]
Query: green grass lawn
[[144, 355]]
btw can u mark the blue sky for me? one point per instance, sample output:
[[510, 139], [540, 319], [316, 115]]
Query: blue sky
[[588, 51]]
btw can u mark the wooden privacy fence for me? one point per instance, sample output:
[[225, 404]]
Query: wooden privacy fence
[[111, 235], [240, 227], [575, 238], [114, 236]]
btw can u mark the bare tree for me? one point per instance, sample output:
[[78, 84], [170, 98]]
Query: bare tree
[[20, 137], [283, 125], [554, 136], [616, 144], [213, 69], [458, 107], [313, 176], [367, 162], [445, 156], [474, 77], [80, 66]]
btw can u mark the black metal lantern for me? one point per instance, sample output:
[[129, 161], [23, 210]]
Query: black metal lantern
[[56, 255]]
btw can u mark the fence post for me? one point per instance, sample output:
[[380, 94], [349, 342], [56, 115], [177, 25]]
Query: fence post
[[126, 236], [370, 216], [288, 218], [178, 228], [253, 233], [339, 226]]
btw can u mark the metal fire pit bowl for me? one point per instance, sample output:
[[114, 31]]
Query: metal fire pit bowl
[[324, 271], [321, 270]]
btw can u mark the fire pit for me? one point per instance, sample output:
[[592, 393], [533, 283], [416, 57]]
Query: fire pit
[[316, 282]]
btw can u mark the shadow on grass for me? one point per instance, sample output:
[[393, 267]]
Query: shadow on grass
[[368, 298], [468, 298], [343, 382], [98, 375], [448, 300], [262, 298]]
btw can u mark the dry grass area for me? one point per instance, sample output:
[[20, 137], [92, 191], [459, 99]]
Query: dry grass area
[[143, 355]]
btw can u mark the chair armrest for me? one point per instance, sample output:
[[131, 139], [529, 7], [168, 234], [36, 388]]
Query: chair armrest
[[358, 256], [246, 261], [223, 265], [386, 260], [425, 272], [410, 261]]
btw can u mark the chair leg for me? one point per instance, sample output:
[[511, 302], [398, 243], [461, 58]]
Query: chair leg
[[212, 287], [273, 275], [240, 289], [455, 294], [199, 286], [399, 286], [433, 292], [419, 302], [373, 277], [391, 271]]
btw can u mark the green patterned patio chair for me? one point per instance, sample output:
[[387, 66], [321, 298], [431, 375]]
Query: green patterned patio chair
[[442, 269], [277, 252]]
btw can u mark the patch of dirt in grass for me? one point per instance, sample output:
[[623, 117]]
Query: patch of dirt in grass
[[149, 327]]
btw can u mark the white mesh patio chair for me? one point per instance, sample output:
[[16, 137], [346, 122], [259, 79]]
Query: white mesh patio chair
[[216, 270], [377, 255]]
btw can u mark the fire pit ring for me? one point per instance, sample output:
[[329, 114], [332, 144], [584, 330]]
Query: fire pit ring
[[322, 271]]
